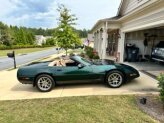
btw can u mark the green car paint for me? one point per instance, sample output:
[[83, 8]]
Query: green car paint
[[89, 71]]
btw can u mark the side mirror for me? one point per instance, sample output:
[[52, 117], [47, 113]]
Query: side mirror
[[80, 66]]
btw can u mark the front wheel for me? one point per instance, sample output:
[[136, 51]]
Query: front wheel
[[114, 79], [44, 83]]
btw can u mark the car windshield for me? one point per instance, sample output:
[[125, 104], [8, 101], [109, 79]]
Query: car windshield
[[83, 60], [87, 61]]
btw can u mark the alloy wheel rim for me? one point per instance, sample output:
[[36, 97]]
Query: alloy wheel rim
[[44, 83], [115, 79]]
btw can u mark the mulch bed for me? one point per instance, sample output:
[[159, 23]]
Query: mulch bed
[[153, 107]]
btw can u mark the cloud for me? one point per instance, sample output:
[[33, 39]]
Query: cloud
[[42, 13], [30, 6], [32, 13]]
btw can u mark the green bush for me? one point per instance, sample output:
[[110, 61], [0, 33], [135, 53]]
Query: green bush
[[82, 54], [4, 47], [96, 57], [161, 86], [90, 53], [71, 54]]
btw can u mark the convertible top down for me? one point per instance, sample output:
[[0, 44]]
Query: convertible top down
[[75, 69]]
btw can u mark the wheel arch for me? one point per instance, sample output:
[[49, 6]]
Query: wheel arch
[[124, 74], [34, 81]]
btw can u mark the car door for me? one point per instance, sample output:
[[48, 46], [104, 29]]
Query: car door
[[66, 74]]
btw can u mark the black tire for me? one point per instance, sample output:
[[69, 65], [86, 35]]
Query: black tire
[[115, 72], [49, 79]]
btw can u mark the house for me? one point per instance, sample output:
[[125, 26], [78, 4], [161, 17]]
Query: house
[[88, 41], [40, 39], [135, 21]]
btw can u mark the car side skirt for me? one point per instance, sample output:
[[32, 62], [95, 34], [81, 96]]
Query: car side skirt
[[79, 81]]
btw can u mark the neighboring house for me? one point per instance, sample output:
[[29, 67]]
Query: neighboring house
[[40, 39], [90, 37], [134, 19], [91, 40]]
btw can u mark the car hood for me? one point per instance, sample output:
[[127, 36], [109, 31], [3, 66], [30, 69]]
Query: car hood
[[117, 65]]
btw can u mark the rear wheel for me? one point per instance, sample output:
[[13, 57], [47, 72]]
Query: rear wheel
[[115, 79], [45, 83]]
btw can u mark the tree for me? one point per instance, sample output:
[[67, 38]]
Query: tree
[[22, 36], [5, 37], [65, 36], [50, 42]]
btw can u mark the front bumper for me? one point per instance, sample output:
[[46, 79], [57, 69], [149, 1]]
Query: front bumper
[[133, 76], [25, 80]]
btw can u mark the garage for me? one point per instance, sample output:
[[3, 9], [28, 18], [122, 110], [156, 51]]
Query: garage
[[139, 45], [142, 50], [133, 34]]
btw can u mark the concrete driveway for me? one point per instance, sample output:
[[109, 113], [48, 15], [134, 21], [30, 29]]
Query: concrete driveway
[[11, 89]]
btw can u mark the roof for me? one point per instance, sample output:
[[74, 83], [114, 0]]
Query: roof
[[115, 18], [120, 6], [112, 19]]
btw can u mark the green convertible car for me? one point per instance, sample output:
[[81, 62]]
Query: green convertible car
[[75, 69]]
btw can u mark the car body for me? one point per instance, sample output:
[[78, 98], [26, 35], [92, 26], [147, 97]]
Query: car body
[[79, 70], [158, 52]]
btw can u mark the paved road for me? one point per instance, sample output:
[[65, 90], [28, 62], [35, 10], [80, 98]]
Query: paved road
[[6, 63]]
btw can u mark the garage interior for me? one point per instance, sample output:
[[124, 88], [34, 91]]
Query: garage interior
[[142, 42]]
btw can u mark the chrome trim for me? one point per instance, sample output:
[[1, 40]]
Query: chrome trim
[[158, 59]]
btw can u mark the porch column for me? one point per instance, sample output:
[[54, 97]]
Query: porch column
[[95, 41], [121, 46], [99, 43], [104, 41]]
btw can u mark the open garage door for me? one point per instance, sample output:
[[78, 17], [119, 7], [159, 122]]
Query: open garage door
[[139, 45], [150, 54]]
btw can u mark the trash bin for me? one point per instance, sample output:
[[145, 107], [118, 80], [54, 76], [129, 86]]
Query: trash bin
[[132, 53]]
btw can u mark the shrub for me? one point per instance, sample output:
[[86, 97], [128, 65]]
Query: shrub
[[91, 53], [96, 57], [82, 54], [161, 86], [71, 54], [4, 47]]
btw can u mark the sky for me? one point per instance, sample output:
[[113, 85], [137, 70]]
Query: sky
[[43, 13]]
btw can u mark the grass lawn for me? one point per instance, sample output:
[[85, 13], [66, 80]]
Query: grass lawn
[[22, 51], [89, 109]]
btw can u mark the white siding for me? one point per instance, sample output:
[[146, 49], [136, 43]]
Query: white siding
[[130, 5], [149, 18]]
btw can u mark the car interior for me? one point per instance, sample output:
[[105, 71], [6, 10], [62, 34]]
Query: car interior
[[63, 62]]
